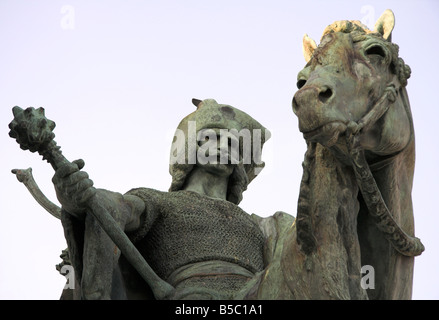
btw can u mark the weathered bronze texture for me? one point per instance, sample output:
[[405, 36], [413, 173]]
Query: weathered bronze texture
[[195, 242]]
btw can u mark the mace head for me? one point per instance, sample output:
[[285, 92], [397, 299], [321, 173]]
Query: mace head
[[31, 129]]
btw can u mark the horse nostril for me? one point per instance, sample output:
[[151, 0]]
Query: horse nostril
[[325, 94]]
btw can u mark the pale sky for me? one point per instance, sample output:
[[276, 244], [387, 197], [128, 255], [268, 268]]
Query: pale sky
[[118, 76]]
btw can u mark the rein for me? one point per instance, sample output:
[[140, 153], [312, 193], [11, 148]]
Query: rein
[[402, 242]]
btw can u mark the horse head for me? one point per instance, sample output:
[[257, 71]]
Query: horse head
[[354, 80], [343, 81]]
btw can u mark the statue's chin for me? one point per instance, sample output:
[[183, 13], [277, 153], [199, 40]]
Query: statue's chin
[[327, 135]]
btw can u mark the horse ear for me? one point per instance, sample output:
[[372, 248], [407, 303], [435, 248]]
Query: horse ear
[[308, 47], [385, 24], [196, 102]]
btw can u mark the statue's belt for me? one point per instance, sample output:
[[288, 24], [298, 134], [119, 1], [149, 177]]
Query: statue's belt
[[207, 269]]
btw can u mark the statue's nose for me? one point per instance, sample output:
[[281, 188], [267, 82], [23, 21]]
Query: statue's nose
[[312, 95]]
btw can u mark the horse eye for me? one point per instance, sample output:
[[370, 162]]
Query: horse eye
[[376, 50], [300, 83]]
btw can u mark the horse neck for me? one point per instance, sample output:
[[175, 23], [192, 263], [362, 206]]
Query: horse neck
[[394, 174], [328, 189], [327, 223], [394, 179]]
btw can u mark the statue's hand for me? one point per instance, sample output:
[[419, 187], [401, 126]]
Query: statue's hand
[[73, 187]]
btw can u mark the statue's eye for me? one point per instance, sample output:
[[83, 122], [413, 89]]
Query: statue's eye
[[376, 50], [300, 83]]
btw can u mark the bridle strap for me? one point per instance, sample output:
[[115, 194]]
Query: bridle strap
[[402, 242], [378, 110]]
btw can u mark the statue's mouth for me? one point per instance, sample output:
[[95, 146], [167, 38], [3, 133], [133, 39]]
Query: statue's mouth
[[326, 134]]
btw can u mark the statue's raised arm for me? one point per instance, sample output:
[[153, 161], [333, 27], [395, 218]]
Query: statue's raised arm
[[33, 132]]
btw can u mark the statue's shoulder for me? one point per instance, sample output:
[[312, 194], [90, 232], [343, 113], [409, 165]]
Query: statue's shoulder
[[154, 201], [141, 192], [274, 224], [165, 199], [274, 229], [149, 196]]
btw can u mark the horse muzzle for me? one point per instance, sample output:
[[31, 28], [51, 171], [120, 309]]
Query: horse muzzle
[[319, 121], [309, 103]]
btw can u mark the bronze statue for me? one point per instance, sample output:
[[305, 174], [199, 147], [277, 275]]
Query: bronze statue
[[194, 242]]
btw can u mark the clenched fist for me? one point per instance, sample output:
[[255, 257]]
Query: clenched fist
[[73, 187]]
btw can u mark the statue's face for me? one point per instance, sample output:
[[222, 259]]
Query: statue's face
[[218, 137], [220, 140], [219, 151]]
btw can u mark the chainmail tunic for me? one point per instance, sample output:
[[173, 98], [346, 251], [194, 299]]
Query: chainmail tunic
[[184, 227]]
